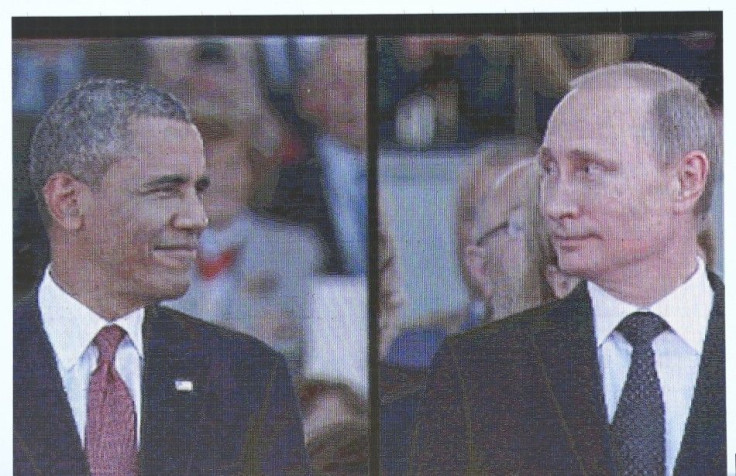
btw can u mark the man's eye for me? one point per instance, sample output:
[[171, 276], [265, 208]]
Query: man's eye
[[165, 191], [592, 168]]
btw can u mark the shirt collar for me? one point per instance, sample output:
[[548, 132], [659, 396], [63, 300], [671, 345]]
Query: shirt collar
[[686, 309], [71, 325]]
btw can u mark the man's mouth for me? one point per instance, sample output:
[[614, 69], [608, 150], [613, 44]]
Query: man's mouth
[[567, 241], [570, 237], [177, 255]]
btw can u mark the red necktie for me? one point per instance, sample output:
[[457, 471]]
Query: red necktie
[[111, 427]]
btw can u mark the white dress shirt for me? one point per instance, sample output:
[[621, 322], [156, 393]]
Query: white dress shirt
[[677, 351], [71, 327]]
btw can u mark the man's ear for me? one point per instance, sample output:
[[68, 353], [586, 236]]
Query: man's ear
[[64, 195], [692, 174]]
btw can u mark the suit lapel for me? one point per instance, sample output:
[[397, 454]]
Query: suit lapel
[[703, 448], [170, 414], [44, 431], [565, 342]]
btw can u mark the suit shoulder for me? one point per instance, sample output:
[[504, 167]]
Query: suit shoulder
[[25, 304], [219, 339], [519, 322], [716, 283], [504, 334], [26, 321]]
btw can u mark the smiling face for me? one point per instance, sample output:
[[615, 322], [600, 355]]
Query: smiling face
[[605, 196], [142, 222]]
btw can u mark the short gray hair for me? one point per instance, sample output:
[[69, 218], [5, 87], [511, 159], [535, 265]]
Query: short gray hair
[[88, 129], [681, 119]]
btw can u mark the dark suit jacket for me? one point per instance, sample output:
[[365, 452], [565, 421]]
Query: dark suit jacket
[[242, 416], [523, 396]]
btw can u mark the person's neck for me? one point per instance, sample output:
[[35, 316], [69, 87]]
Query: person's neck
[[643, 284], [84, 285]]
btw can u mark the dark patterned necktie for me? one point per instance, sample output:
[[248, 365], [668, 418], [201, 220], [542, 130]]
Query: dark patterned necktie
[[111, 426], [637, 431]]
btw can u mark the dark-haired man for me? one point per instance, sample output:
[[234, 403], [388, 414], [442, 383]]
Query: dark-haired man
[[105, 380]]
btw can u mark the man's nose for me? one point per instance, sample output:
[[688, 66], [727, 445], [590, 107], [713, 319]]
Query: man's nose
[[559, 198], [191, 215]]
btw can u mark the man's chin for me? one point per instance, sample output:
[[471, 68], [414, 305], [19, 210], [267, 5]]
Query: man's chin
[[575, 264], [168, 289], [584, 267]]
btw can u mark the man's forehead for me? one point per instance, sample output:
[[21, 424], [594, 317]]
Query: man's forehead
[[602, 101], [160, 146], [158, 134], [138, 171], [588, 118]]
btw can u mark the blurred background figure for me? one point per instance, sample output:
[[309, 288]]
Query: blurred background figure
[[508, 264], [392, 296], [505, 257], [509, 256], [321, 84], [464, 88], [328, 189]]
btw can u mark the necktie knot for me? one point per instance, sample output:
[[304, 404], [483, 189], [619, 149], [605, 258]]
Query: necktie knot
[[107, 342], [640, 328]]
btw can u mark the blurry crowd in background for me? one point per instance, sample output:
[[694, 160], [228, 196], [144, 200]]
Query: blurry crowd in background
[[283, 120]]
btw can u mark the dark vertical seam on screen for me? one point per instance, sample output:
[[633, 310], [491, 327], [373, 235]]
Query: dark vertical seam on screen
[[374, 277]]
